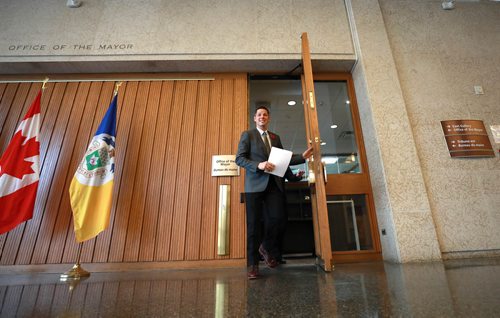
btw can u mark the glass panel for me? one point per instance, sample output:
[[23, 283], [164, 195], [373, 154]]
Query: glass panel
[[349, 223], [338, 139], [283, 98], [299, 235]]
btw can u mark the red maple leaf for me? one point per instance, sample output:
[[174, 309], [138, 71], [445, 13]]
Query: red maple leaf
[[13, 160]]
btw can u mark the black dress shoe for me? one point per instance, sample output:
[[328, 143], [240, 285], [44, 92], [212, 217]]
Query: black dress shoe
[[268, 259]]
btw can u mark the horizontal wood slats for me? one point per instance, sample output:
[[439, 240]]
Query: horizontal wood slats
[[164, 200]]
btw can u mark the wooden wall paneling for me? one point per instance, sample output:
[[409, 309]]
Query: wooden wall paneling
[[101, 244], [183, 180], [59, 196], [98, 100], [15, 234], [137, 211], [58, 175], [32, 92], [159, 213], [238, 225], [210, 190], [3, 87], [169, 184], [198, 174], [15, 115], [5, 103], [136, 105], [75, 145], [21, 253], [126, 100], [225, 134], [156, 174], [5, 109]]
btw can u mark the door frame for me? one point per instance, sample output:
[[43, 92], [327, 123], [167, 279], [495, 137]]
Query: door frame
[[321, 225], [359, 183]]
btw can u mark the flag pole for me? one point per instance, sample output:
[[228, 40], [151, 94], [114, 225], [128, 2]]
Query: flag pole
[[117, 86], [76, 272], [44, 83]]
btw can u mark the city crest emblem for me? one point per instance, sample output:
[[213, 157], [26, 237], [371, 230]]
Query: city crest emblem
[[97, 166]]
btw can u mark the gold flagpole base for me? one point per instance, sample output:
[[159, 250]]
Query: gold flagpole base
[[76, 272]]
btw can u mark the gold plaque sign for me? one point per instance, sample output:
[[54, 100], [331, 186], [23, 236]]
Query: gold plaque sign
[[467, 138], [224, 165]]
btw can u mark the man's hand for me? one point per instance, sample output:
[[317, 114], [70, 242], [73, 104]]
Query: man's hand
[[266, 166], [308, 153]]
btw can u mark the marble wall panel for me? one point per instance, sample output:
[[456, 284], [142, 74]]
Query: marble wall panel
[[182, 28], [400, 189], [416, 236], [390, 249], [439, 61]]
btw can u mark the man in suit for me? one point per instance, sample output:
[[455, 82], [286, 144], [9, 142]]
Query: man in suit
[[264, 193]]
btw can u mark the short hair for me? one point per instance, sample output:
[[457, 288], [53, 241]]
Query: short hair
[[262, 107]]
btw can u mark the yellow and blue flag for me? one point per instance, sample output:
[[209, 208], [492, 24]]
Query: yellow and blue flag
[[91, 189]]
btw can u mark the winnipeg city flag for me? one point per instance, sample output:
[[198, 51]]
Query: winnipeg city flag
[[92, 186], [20, 171]]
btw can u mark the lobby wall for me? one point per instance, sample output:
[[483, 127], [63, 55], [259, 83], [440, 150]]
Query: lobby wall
[[440, 56], [414, 64], [171, 36], [417, 65]]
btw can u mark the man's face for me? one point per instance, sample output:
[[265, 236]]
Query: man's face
[[261, 118]]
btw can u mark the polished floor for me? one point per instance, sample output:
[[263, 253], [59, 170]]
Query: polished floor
[[465, 288]]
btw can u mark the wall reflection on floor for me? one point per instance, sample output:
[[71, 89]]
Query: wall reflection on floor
[[454, 288]]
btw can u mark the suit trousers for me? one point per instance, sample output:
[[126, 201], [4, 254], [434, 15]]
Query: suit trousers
[[268, 206]]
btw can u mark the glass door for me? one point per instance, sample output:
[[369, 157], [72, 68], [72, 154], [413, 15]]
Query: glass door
[[345, 230], [351, 214], [316, 175]]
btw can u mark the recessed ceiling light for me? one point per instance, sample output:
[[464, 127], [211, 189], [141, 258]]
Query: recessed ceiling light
[[292, 103], [323, 143], [329, 160], [333, 126], [448, 4], [347, 102]]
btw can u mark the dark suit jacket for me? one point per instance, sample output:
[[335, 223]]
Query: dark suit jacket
[[251, 152]]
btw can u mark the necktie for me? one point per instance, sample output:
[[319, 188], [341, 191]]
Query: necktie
[[266, 142]]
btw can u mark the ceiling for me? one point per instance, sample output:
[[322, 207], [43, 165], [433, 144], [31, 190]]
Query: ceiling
[[288, 121]]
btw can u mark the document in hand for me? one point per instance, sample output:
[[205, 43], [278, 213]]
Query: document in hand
[[281, 159]]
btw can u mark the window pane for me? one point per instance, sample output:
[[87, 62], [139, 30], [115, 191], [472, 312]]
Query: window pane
[[349, 223], [283, 98], [339, 148]]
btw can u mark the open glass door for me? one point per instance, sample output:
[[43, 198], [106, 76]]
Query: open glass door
[[316, 168]]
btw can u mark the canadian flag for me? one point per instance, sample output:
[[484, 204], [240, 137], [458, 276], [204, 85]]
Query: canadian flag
[[20, 171]]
